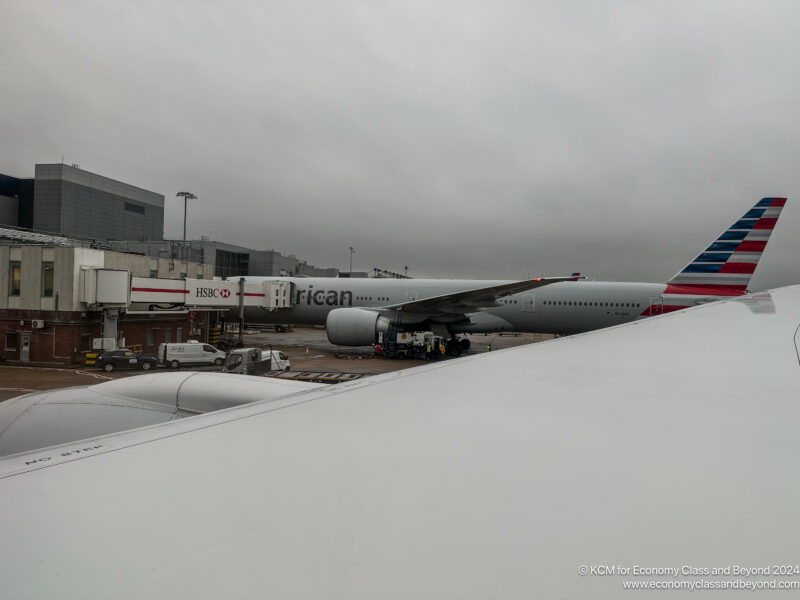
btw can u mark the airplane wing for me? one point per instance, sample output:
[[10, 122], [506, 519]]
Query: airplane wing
[[468, 301], [575, 468], [51, 417]]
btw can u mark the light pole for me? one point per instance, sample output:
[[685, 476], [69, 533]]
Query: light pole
[[186, 197], [352, 251]]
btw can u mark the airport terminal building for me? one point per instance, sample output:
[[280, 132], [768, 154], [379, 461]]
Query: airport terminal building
[[227, 260], [50, 315], [64, 224], [76, 203], [67, 201]]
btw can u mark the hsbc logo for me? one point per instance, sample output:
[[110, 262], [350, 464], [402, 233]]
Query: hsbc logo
[[206, 292]]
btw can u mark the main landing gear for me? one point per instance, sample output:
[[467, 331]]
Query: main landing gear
[[453, 347]]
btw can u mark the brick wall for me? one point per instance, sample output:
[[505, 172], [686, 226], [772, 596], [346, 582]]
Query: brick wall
[[65, 340]]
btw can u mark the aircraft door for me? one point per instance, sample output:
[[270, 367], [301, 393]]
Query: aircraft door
[[656, 305], [528, 303], [25, 347]]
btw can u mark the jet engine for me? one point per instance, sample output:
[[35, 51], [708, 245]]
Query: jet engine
[[355, 326]]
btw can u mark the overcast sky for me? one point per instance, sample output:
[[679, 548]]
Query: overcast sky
[[491, 139]]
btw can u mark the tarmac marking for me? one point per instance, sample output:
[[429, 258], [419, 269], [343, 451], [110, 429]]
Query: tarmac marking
[[95, 375]]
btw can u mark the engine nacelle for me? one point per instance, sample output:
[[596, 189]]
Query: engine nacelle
[[355, 326]]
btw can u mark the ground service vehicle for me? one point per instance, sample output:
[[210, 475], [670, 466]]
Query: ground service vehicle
[[124, 359], [255, 361], [424, 346], [189, 353]]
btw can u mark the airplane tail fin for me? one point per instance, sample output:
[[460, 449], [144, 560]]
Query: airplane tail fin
[[727, 265]]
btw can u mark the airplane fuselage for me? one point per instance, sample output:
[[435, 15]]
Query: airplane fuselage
[[564, 308]]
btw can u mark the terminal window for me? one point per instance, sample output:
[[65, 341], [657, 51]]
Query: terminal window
[[14, 278], [12, 341], [134, 208], [47, 280], [231, 264]]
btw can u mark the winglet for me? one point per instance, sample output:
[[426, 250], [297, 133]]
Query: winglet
[[727, 265]]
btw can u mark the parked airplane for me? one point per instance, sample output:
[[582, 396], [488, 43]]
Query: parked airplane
[[356, 311], [638, 457]]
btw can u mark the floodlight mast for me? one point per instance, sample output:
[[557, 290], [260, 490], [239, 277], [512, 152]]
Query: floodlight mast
[[186, 197]]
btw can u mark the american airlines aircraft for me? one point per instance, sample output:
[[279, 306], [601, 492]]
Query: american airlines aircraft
[[356, 311], [638, 457]]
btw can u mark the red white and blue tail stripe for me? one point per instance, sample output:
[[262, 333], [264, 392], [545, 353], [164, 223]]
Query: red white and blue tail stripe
[[727, 265]]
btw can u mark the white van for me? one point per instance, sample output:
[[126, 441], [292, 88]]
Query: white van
[[280, 362], [189, 353]]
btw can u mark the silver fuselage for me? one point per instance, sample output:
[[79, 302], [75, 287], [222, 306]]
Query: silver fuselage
[[564, 307]]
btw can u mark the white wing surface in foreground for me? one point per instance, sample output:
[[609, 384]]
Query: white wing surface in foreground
[[666, 443]]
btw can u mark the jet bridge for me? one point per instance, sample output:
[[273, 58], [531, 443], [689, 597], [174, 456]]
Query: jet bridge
[[115, 288], [115, 291], [206, 293]]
